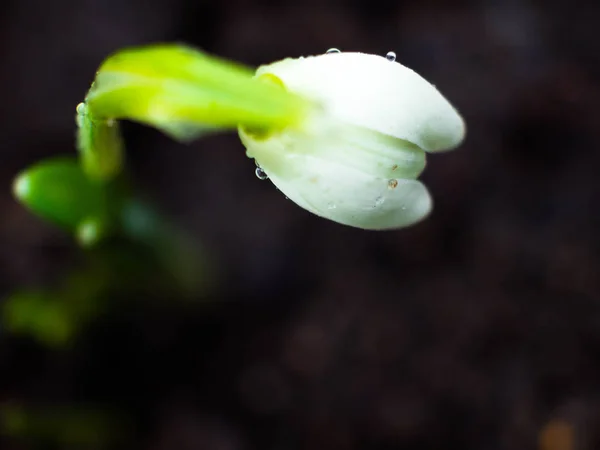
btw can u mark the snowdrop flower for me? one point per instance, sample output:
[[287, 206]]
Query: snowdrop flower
[[355, 159], [344, 135]]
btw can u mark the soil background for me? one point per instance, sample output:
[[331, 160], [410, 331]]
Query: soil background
[[478, 329]]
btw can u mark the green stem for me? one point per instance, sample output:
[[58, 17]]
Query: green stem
[[180, 91]]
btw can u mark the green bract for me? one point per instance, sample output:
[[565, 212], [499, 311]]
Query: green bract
[[180, 91]]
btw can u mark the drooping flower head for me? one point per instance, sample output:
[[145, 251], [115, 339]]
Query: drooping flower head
[[356, 158]]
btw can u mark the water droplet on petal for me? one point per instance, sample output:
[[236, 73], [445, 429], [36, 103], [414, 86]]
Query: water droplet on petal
[[260, 174], [331, 206], [333, 50], [379, 201], [392, 184], [390, 56], [81, 108]]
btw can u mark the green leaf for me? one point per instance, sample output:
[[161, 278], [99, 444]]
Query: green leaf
[[59, 191]]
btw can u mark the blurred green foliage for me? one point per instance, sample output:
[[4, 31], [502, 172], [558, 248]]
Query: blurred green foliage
[[67, 427], [129, 249], [143, 255], [59, 191], [130, 246]]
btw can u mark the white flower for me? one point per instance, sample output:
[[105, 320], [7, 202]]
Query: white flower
[[356, 158]]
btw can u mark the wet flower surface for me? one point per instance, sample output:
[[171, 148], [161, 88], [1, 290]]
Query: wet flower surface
[[356, 158]]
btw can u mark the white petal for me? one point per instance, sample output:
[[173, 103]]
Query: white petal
[[333, 176], [351, 197], [374, 93]]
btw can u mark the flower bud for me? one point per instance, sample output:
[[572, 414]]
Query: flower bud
[[356, 157]]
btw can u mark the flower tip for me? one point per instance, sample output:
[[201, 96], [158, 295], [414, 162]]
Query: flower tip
[[456, 133], [444, 131]]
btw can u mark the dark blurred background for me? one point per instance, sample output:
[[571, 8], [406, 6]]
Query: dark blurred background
[[476, 329]]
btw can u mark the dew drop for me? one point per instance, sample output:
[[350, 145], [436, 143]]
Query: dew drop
[[379, 201], [260, 174], [333, 50], [80, 108], [392, 184], [331, 206], [390, 56]]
